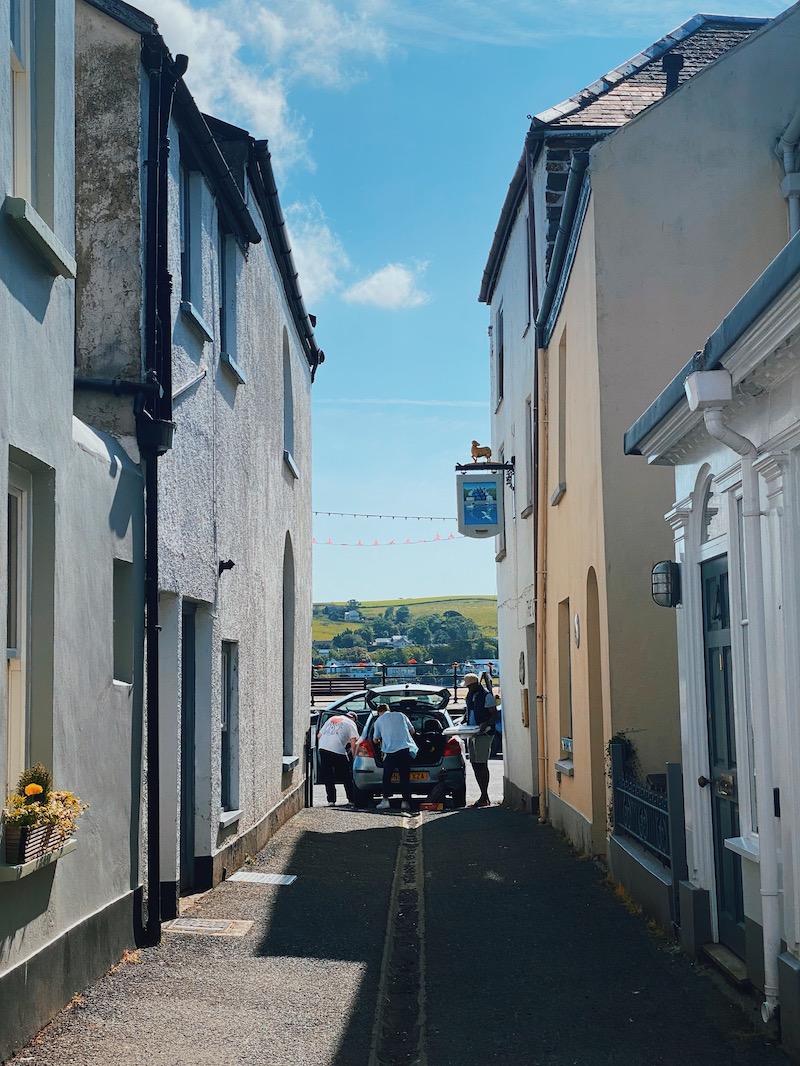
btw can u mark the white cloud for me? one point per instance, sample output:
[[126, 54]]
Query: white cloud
[[244, 55], [393, 287], [318, 253]]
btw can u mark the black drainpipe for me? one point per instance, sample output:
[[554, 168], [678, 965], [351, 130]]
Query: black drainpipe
[[154, 425]]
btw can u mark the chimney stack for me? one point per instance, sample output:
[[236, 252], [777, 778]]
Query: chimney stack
[[672, 64]]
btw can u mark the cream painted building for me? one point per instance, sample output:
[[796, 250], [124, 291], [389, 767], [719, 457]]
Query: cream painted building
[[569, 280], [663, 224]]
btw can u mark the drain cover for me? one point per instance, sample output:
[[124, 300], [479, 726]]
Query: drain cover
[[263, 879], [207, 926]]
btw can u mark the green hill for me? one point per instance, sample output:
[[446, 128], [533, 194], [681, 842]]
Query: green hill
[[482, 610]]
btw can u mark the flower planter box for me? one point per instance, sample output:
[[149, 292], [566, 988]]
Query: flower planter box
[[25, 844]]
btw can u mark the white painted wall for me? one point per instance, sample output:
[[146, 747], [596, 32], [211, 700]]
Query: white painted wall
[[515, 573], [87, 512]]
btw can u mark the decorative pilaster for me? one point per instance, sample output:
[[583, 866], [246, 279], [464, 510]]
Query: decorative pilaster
[[782, 605]]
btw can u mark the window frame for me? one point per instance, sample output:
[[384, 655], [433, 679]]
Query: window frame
[[18, 656], [192, 186], [229, 727], [22, 102], [228, 259]]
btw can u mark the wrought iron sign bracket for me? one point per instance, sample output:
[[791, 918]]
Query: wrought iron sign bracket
[[478, 467]]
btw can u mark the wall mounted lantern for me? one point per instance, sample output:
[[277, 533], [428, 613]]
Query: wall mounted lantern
[[666, 583]]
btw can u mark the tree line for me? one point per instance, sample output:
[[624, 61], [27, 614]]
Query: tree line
[[445, 637]]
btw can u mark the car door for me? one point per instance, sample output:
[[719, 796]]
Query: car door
[[357, 704]]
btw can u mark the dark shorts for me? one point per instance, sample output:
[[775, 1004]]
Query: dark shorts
[[480, 746]]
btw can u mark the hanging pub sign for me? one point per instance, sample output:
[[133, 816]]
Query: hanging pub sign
[[480, 502]]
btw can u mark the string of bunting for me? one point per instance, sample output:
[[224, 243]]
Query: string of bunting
[[330, 543], [399, 517]]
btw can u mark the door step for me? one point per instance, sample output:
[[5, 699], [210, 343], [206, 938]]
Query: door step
[[729, 964]]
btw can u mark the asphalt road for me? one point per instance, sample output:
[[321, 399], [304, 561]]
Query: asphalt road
[[443, 939]]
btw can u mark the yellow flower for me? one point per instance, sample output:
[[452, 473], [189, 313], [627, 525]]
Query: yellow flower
[[33, 789]]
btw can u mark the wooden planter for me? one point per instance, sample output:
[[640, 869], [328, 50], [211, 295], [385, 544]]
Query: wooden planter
[[26, 844]]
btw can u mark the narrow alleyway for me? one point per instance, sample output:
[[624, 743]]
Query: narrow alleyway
[[527, 959]]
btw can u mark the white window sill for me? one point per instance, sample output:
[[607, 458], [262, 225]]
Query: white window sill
[[189, 311], [744, 846], [9, 872], [289, 461], [227, 818], [29, 223], [289, 762], [233, 368], [565, 767]]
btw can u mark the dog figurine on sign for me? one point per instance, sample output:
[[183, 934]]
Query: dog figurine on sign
[[480, 452]]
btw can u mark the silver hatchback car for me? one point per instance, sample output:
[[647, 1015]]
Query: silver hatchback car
[[440, 757]]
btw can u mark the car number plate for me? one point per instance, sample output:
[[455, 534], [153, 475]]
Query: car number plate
[[415, 775]]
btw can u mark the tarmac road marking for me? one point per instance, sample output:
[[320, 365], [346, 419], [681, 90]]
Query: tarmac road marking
[[399, 1029]]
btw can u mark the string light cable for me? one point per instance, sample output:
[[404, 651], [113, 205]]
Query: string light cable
[[361, 543]]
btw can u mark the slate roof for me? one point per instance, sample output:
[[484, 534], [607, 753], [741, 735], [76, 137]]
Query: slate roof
[[601, 108], [627, 90]]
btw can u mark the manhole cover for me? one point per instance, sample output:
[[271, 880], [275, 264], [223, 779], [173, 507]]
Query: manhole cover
[[263, 879], [207, 926]]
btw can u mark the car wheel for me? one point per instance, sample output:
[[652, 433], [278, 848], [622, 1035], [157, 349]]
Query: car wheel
[[362, 798], [460, 797]]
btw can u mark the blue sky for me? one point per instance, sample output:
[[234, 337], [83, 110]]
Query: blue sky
[[395, 127]]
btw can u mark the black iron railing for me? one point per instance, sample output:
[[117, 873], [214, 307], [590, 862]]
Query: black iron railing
[[446, 675], [653, 817]]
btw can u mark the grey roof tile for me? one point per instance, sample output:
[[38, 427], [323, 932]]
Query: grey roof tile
[[624, 92]]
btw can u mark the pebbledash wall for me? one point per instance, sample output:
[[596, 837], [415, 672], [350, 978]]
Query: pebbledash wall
[[62, 925], [236, 486]]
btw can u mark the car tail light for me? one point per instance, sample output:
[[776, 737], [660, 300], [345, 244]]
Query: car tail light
[[365, 749], [453, 746]]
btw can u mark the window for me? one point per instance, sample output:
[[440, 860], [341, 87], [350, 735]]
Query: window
[[192, 187], [528, 507], [228, 271], [499, 357], [288, 407], [124, 617], [745, 638], [229, 768], [500, 539], [21, 97], [561, 414], [289, 610], [17, 624], [32, 55], [565, 677]]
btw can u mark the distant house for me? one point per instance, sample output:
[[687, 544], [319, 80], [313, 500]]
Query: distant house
[[352, 616]]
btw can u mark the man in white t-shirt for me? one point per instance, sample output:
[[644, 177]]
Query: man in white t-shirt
[[338, 733], [394, 732]]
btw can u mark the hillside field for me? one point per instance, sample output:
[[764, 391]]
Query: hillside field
[[481, 609]]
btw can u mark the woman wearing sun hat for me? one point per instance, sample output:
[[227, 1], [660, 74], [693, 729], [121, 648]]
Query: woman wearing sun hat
[[481, 712]]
